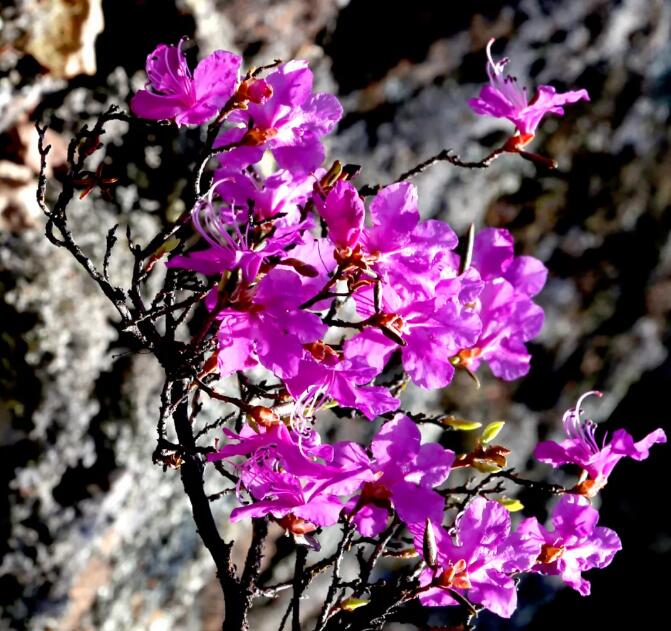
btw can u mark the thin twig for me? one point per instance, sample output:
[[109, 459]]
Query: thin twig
[[299, 585], [446, 155], [348, 532]]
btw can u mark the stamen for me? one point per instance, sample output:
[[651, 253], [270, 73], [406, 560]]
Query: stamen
[[579, 429], [209, 223]]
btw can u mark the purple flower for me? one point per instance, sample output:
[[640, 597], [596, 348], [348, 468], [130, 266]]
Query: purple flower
[[581, 448], [277, 198], [344, 212], [509, 316], [504, 98], [324, 373], [172, 93], [407, 254], [291, 475], [265, 322], [575, 544], [480, 562], [235, 244], [422, 306], [431, 331], [290, 123], [406, 473]]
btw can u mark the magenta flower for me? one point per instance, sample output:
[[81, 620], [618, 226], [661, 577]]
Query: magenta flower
[[575, 545], [412, 256], [480, 563], [421, 303], [509, 316], [408, 254], [581, 448], [300, 454], [290, 474], [406, 473], [277, 197], [324, 373], [265, 323], [235, 244], [504, 98], [172, 93], [289, 495], [290, 123], [431, 332], [344, 213]]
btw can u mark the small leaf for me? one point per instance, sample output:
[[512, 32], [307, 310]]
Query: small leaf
[[351, 603], [510, 504], [460, 424], [485, 466], [491, 431], [163, 249], [331, 403]]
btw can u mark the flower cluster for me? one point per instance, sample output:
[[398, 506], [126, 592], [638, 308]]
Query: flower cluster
[[325, 296]]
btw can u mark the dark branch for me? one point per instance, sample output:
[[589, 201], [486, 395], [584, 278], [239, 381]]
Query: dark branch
[[446, 155]]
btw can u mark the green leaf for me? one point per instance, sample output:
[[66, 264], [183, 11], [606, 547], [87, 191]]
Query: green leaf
[[491, 431], [351, 603], [485, 466], [510, 504], [460, 424]]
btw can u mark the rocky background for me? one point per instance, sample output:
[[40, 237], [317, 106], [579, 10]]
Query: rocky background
[[92, 535]]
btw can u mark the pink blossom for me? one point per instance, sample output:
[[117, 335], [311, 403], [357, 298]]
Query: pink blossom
[[406, 472], [479, 562], [266, 323], [344, 213], [575, 545], [582, 449], [277, 197], [403, 251], [290, 123], [291, 474], [235, 242], [172, 93], [325, 373], [430, 330], [504, 98], [505, 306]]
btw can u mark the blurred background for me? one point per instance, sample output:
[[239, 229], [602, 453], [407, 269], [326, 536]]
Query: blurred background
[[92, 535]]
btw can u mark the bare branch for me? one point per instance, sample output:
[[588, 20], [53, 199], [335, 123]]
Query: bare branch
[[446, 155], [348, 532]]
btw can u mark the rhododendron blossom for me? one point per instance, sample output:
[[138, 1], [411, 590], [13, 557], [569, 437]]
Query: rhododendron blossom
[[290, 123], [576, 544], [265, 323], [405, 474], [509, 316], [290, 474], [173, 93], [479, 561], [582, 449], [430, 332], [504, 98], [324, 372]]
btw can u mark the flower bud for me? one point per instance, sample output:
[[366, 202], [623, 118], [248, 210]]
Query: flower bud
[[429, 547], [263, 415]]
